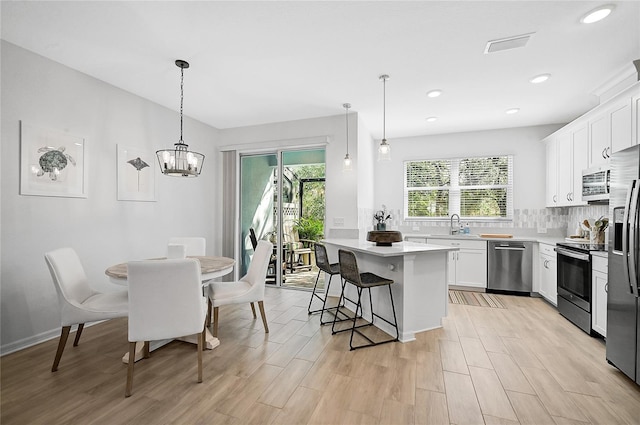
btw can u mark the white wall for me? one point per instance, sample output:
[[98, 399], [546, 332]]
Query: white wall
[[524, 144], [103, 231]]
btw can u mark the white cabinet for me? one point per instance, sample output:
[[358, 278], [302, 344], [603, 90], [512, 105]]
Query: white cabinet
[[589, 141], [610, 130], [635, 119], [600, 139], [571, 158], [468, 266], [599, 288], [547, 267], [551, 198]]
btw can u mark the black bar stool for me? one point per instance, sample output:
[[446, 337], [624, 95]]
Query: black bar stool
[[350, 273], [323, 264]]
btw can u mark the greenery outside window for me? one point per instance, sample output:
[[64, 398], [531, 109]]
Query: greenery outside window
[[478, 188]]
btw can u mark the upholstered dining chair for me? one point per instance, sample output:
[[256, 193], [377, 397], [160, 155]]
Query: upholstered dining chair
[[165, 301], [196, 246], [249, 289], [79, 303]]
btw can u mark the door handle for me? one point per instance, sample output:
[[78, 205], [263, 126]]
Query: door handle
[[633, 241]]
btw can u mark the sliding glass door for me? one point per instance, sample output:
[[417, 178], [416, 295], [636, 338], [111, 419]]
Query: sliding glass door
[[282, 200]]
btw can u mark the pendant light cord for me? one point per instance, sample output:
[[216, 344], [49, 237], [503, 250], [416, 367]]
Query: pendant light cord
[[346, 114], [384, 108], [181, 98]]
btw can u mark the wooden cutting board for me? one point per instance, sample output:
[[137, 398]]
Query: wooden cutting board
[[496, 235]]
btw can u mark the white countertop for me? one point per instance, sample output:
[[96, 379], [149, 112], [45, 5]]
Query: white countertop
[[396, 249], [552, 240]]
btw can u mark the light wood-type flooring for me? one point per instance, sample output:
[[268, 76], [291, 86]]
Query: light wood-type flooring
[[523, 364]]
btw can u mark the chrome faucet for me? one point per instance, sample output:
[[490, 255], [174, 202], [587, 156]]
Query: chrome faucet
[[456, 230]]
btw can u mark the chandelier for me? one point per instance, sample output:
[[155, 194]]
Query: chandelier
[[180, 161]]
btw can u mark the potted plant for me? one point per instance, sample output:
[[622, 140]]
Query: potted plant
[[309, 228], [381, 218]]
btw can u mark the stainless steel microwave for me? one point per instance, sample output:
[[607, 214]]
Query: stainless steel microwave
[[595, 184]]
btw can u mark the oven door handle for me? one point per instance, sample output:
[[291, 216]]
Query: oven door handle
[[572, 254]]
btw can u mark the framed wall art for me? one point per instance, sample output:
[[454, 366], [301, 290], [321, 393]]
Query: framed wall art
[[136, 174], [52, 162]]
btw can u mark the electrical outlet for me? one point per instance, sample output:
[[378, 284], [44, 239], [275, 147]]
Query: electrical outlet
[[542, 230], [338, 221], [415, 228]]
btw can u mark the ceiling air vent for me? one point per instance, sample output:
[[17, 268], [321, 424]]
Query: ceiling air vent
[[507, 43]]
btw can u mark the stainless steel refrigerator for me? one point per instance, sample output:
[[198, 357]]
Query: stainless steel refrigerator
[[623, 305]]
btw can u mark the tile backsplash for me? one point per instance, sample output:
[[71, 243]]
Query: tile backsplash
[[554, 221]]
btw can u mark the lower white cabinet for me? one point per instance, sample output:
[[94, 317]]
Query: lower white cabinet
[[468, 266], [599, 267], [547, 266]]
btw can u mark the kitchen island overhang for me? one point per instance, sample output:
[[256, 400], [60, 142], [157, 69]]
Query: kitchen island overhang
[[420, 290]]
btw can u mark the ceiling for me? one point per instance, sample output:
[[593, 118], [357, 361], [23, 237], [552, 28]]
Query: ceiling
[[262, 62]]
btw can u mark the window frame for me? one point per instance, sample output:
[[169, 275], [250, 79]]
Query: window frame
[[454, 190]]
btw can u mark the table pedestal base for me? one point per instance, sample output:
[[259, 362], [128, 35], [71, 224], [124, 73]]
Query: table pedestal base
[[211, 342]]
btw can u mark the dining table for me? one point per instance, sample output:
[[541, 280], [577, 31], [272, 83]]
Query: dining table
[[211, 267]]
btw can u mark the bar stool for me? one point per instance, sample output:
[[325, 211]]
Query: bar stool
[[350, 273], [323, 264]]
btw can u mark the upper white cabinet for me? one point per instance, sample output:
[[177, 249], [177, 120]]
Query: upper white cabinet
[[635, 119], [610, 130], [589, 141], [567, 156], [551, 198]]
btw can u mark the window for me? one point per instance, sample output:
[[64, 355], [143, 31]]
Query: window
[[474, 188]]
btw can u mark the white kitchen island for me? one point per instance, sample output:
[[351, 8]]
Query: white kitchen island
[[419, 272]]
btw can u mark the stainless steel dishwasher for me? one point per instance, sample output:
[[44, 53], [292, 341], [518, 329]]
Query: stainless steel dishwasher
[[510, 266]]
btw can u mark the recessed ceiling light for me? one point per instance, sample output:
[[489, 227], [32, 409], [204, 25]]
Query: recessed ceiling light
[[597, 14], [432, 119], [434, 93], [540, 78], [512, 111]]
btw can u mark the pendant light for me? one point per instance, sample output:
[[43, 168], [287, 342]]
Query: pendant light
[[384, 150], [180, 161], [346, 165]]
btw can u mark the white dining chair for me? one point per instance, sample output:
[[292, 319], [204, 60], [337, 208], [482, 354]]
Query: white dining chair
[[165, 301], [196, 246], [249, 289], [176, 251], [78, 302]]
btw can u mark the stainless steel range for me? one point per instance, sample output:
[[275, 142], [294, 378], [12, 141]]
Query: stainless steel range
[[574, 282]]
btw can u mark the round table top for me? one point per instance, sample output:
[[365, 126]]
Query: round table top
[[207, 265]]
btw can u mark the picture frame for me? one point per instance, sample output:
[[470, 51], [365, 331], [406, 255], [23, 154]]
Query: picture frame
[[52, 162], [136, 174]]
